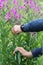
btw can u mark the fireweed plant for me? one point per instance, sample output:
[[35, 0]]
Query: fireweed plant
[[15, 11], [12, 11]]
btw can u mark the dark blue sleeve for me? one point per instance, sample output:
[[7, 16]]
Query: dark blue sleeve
[[37, 52], [33, 26]]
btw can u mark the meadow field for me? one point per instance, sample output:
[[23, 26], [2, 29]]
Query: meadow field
[[13, 12]]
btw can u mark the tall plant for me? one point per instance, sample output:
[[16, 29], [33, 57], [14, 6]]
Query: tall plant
[[12, 11]]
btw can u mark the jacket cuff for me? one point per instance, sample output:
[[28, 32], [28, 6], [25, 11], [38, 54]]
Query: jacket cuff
[[22, 28]]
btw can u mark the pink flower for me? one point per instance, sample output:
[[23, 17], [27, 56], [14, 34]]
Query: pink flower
[[32, 4], [35, 33], [37, 8], [18, 16], [8, 16], [1, 5], [26, 1], [21, 7], [15, 1], [14, 11], [4, 1]]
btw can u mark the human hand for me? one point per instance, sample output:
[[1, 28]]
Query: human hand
[[20, 49], [23, 52], [16, 29]]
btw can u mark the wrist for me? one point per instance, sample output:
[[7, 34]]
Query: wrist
[[29, 54], [20, 30]]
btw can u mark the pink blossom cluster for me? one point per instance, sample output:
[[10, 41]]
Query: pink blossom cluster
[[26, 1], [33, 5], [22, 7], [14, 11], [15, 1], [8, 16], [2, 3]]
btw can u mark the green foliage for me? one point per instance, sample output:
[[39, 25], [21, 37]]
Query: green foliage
[[9, 41]]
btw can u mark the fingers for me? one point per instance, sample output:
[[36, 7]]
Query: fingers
[[12, 29], [20, 49], [16, 29], [16, 49]]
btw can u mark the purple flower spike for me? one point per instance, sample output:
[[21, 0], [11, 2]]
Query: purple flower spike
[[8, 16]]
